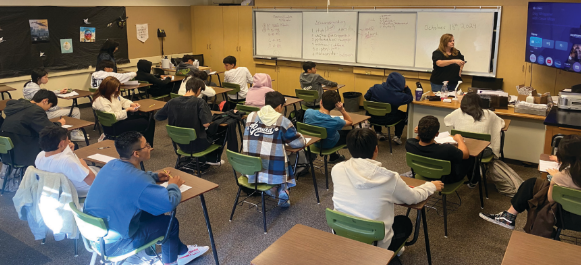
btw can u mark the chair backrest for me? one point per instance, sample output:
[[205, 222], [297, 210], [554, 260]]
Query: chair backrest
[[312, 130], [246, 109], [235, 87], [428, 167], [181, 135], [360, 229], [200, 58], [307, 95], [477, 136], [183, 72], [244, 164], [570, 199], [106, 118], [174, 95], [93, 90], [158, 71], [377, 108], [5, 145], [92, 228]]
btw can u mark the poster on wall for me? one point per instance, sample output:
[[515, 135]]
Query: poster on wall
[[39, 30], [87, 34], [66, 46], [142, 32]]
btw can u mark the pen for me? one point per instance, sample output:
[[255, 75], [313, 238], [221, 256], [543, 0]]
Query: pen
[[104, 147], [151, 105], [167, 172]]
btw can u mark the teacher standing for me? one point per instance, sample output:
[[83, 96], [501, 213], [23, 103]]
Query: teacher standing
[[448, 64], [107, 53]]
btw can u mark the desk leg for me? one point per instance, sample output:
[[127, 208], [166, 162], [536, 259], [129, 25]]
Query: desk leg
[[476, 170], [308, 155], [502, 145], [219, 81], [416, 229], [425, 224], [209, 229], [73, 107], [86, 137], [2, 95]]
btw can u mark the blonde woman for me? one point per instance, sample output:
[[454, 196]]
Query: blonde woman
[[448, 64]]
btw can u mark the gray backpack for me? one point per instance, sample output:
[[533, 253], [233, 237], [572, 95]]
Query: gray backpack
[[504, 178]]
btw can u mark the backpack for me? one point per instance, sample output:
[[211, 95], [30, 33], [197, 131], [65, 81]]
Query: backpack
[[504, 178], [297, 116]]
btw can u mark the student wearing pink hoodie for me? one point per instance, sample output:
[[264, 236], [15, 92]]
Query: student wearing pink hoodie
[[262, 84]]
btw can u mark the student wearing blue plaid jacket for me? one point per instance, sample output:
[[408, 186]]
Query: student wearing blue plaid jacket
[[267, 131]]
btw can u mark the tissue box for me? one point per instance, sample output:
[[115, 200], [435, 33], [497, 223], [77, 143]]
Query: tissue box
[[530, 108]]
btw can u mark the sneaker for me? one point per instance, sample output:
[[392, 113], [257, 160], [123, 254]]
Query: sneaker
[[504, 219], [380, 137], [471, 185], [337, 159], [396, 140], [193, 252], [215, 163], [283, 199], [401, 251], [78, 136]]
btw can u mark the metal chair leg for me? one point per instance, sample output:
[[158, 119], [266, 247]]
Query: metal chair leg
[[198, 167], [177, 162], [389, 140], [263, 211], [326, 173], [408, 212], [235, 203], [8, 171], [309, 159], [76, 247], [445, 216], [484, 170], [425, 224]]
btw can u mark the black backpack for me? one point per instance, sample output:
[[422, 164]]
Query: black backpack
[[297, 116]]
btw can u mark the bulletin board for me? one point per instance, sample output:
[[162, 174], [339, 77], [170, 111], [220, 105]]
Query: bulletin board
[[25, 43]]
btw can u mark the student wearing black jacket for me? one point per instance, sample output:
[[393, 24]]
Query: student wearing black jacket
[[107, 53], [160, 85]]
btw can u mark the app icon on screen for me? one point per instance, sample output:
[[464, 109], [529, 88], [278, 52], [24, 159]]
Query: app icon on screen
[[561, 45], [577, 67], [533, 58], [549, 61], [541, 59], [536, 42], [558, 64], [548, 43]]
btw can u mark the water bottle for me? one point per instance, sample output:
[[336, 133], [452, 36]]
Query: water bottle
[[196, 63], [444, 91], [419, 91]]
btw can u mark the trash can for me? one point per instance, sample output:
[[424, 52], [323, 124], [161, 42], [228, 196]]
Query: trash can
[[351, 99]]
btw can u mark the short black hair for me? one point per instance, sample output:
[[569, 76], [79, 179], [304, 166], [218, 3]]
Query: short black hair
[[105, 64], [50, 137], [428, 128], [274, 99], [330, 98], [229, 60], [37, 74], [41, 94], [188, 57], [127, 143], [309, 65], [109, 46], [194, 84], [361, 143]]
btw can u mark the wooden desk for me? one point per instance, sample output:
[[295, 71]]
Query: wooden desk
[[3, 104], [501, 112], [76, 124], [201, 68], [106, 147], [199, 187], [325, 88], [81, 94], [131, 88], [291, 101], [6, 89], [150, 105], [356, 118], [475, 147], [506, 124], [220, 90], [306, 245], [529, 249]]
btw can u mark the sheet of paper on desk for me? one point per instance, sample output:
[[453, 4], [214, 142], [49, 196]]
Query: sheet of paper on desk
[[444, 138], [544, 165], [67, 126], [307, 140], [338, 116], [212, 73], [102, 158], [67, 94], [183, 187]]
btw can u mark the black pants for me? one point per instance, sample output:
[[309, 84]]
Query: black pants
[[402, 229], [202, 144], [156, 91], [134, 122], [342, 141], [231, 103], [391, 118]]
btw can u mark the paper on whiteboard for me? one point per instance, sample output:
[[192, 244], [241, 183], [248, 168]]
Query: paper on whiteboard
[[544, 165], [183, 187], [102, 158]]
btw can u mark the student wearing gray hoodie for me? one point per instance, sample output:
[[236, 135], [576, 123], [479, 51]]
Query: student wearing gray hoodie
[[310, 80], [363, 188]]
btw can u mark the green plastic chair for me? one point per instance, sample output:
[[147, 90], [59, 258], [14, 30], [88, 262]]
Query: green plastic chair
[[94, 229], [96, 126], [247, 109], [235, 89], [174, 95], [380, 109], [307, 96], [429, 169], [7, 148], [247, 165], [180, 135], [107, 120], [484, 161], [320, 132], [568, 200]]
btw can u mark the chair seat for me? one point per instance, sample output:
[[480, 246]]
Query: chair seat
[[487, 160], [448, 188], [386, 125], [325, 152], [305, 107], [127, 255], [243, 181], [200, 154]]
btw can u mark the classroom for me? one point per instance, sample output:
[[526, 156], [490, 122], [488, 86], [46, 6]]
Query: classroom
[[290, 132]]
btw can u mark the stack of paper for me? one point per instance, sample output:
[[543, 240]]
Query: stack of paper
[[102, 158], [67, 126], [72, 94], [445, 138], [544, 165], [183, 187]]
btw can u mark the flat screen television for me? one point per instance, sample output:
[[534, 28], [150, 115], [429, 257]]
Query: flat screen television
[[554, 35]]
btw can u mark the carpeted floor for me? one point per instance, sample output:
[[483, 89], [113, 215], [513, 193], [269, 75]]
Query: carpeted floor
[[471, 240]]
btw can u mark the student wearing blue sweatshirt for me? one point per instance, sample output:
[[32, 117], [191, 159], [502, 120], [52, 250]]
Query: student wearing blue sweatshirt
[[133, 205], [395, 92]]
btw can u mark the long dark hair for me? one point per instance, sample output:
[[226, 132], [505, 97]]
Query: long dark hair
[[471, 105], [569, 154], [109, 46], [36, 75]]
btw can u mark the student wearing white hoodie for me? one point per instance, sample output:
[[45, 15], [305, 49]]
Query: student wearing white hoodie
[[104, 70], [363, 188]]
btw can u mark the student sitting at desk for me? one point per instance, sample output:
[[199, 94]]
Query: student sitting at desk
[[133, 205], [107, 53], [533, 190], [236, 75], [160, 85], [395, 92], [425, 145], [322, 118], [470, 117], [187, 63], [208, 91], [24, 121], [108, 99], [57, 157], [310, 80], [104, 70], [262, 84], [190, 111], [268, 127], [40, 77], [365, 189]]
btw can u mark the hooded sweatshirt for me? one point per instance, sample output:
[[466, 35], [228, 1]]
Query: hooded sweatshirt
[[314, 82], [144, 74], [98, 77], [30, 89], [363, 188], [208, 91], [392, 91], [262, 84]]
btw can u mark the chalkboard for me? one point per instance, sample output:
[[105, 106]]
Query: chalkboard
[[279, 34], [330, 36]]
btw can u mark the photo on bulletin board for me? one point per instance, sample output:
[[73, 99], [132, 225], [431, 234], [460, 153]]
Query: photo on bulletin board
[[66, 46], [39, 30], [87, 34]]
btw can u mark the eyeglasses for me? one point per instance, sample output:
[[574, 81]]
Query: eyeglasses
[[147, 145]]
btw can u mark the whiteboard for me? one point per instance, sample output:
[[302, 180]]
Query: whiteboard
[[279, 34], [472, 34], [387, 38], [330, 36]]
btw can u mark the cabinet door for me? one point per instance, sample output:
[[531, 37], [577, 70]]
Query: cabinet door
[[230, 29], [216, 38], [245, 42], [270, 70], [565, 80], [543, 78], [344, 76], [288, 78], [201, 41]]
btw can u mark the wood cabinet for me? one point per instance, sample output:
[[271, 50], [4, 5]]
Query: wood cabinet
[[237, 23], [364, 82], [209, 35], [288, 77]]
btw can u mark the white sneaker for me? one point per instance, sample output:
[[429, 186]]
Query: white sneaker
[[396, 140], [78, 136], [380, 136], [193, 252], [215, 163]]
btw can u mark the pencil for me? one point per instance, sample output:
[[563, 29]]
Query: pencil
[[151, 105], [167, 172]]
